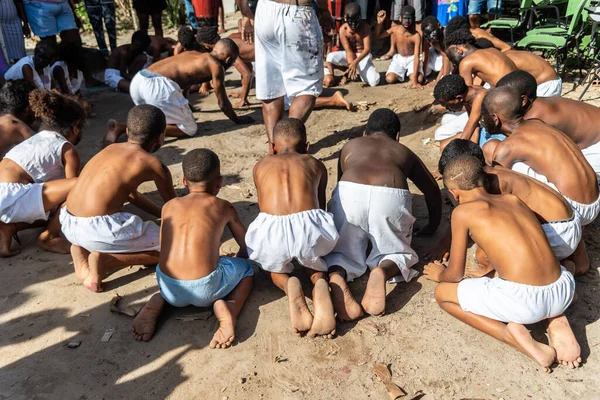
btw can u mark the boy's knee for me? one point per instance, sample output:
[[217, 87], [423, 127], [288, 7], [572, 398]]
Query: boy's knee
[[391, 78]]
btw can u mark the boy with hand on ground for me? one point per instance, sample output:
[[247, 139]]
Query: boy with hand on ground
[[103, 237], [293, 224], [190, 271], [531, 285], [126, 60]]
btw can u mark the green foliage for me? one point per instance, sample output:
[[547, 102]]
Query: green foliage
[[81, 13], [175, 13]]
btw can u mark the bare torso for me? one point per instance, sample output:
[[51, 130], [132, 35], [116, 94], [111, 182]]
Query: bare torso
[[187, 68], [120, 58], [490, 65], [12, 132], [355, 39], [541, 70], [405, 40], [160, 45]]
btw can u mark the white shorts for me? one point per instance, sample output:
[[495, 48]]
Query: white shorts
[[403, 66], [592, 155], [274, 241], [508, 301], [112, 77], [288, 51], [435, 63], [564, 236], [21, 203], [452, 123], [587, 212], [366, 69], [154, 89], [550, 89], [376, 214], [117, 233]]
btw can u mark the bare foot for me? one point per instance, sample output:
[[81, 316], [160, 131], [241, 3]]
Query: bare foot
[[53, 244], [93, 281], [324, 321], [563, 340], [345, 306], [342, 102], [373, 301], [543, 354], [80, 261], [112, 133], [204, 89], [145, 322], [234, 95], [224, 336], [241, 103], [300, 315], [7, 232]]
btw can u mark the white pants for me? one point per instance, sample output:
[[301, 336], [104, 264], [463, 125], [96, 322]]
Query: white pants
[[508, 301], [376, 214], [592, 155], [117, 233], [550, 88], [452, 123], [288, 50], [21, 203], [154, 89], [564, 236], [112, 77], [435, 63], [403, 66], [274, 241], [366, 69]]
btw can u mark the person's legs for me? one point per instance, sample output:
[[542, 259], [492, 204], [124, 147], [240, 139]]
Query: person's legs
[[301, 107], [157, 23], [144, 20], [103, 263], [227, 312], [9, 231], [563, 340], [335, 101], [373, 301], [474, 12], [272, 112], [515, 335], [174, 131], [190, 14], [579, 261], [50, 239], [55, 193], [221, 17], [300, 315], [145, 322], [110, 21], [324, 319], [95, 11], [114, 130], [346, 307]]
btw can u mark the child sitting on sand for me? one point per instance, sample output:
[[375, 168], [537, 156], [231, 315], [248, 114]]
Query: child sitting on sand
[[190, 271]]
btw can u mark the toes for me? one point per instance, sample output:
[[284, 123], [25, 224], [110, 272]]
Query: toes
[[9, 253]]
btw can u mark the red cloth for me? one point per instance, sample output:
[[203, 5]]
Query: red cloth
[[206, 8]]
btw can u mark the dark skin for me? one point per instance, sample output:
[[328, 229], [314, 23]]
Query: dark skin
[[12, 132], [541, 70], [59, 76], [121, 59], [28, 71], [23, 16], [353, 41], [489, 65], [441, 50], [160, 45], [479, 33]]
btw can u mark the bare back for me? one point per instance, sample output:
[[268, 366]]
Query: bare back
[[120, 58], [490, 65], [290, 183], [539, 68], [559, 159], [579, 121], [187, 68], [12, 132], [110, 177]]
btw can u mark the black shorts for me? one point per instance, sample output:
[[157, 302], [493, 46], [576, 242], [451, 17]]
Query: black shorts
[[149, 7]]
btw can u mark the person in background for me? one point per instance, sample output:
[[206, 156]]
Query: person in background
[[445, 10], [494, 8], [150, 8], [99, 10], [14, 25]]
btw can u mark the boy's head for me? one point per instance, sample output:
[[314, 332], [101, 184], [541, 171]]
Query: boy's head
[[202, 167], [60, 113], [457, 23], [407, 17], [43, 55], [289, 133], [464, 174], [483, 43], [451, 92], [186, 35], [352, 15], [146, 126], [524, 83], [14, 99], [140, 41], [459, 148], [500, 105], [433, 32], [385, 121], [71, 54], [226, 51], [459, 44]]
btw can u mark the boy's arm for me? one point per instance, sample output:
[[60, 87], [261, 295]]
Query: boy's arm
[[322, 194], [246, 74], [474, 116], [458, 251], [366, 45], [145, 204], [164, 182], [218, 77], [381, 33], [422, 178], [238, 230], [347, 48], [28, 73], [426, 46], [71, 161], [59, 76], [499, 44], [414, 83], [23, 15]]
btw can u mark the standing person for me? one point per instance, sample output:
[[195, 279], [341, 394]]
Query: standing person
[[289, 55], [189, 13], [150, 8], [445, 10], [97, 11], [48, 18], [13, 22], [494, 8], [206, 13]]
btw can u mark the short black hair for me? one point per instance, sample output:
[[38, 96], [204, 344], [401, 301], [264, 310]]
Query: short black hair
[[142, 38], [430, 21], [522, 81], [199, 165], [483, 43], [70, 53], [290, 128], [407, 10], [505, 101], [229, 46], [145, 123], [59, 112], [459, 148], [14, 96], [186, 35], [449, 87], [352, 9], [457, 23], [44, 53], [465, 172], [383, 120], [460, 37]]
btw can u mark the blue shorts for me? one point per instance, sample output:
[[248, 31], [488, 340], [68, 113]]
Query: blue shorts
[[49, 19], [492, 6], [485, 137], [205, 291]]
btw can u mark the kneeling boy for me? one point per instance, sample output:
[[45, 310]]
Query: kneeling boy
[[531, 285], [293, 224], [190, 271]]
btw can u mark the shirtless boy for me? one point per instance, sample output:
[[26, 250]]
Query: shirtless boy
[[293, 225], [372, 202], [16, 116], [531, 285], [190, 271], [434, 59], [489, 65], [161, 85], [356, 59], [460, 22], [161, 47], [104, 238], [576, 119], [125, 61], [407, 61]]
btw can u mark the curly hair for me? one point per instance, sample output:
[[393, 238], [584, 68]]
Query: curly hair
[[522, 81], [145, 123], [457, 23], [459, 37], [58, 112], [14, 96], [383, 120], [449, 87], [186, 35], [200, 165]]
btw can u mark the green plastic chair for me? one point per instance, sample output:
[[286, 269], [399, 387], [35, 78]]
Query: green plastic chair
[[511, 23], [558, 25]]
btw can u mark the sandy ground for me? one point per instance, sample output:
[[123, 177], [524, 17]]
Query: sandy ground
[[43, 306]]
